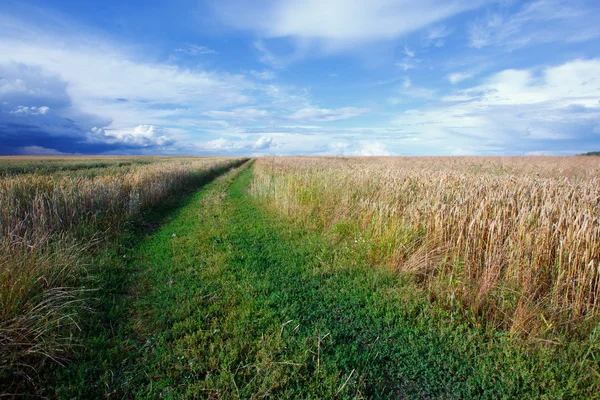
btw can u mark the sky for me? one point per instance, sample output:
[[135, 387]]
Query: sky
[[300, 77]]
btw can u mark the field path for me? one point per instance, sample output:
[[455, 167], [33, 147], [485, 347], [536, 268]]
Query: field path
[[230, 301]]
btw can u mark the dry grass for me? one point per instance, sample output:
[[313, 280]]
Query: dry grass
[[51, 212], [513, 240]]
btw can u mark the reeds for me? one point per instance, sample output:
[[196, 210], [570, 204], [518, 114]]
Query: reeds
[[513, 241], [49, 219]]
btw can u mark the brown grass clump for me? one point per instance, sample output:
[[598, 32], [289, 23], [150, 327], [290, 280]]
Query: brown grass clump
[[515, 240], [51, 212]]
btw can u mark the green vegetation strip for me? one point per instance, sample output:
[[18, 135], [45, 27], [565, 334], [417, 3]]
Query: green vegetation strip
[[226, 300]]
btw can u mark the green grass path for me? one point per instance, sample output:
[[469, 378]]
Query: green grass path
[[226, 300]]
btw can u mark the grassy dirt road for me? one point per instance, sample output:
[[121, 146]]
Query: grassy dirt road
[[224, 299]]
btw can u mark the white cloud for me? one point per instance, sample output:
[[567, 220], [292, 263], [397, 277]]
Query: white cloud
[[540, 21], [327, 140], [372, 149], [240, 114], [285, 97], [457, 77], [235, 144], [263, 143], [219, 144], [265, 75], [407, 63], [481, 33], [575, 82], [24, 110], [408, 52], [339, 148], [194, 50], [267, 57], [436, 36], [96, 77], [516, 107], [338, 24], [140, 136], [326, 115], [407, 92]]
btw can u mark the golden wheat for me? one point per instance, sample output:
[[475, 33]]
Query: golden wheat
[[516, 240]]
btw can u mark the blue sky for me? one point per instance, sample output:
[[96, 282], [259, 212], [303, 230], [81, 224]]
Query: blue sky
[[326, 77]]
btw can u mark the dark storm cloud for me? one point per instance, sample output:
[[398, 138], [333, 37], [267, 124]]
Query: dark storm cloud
[[36, 112], [16, 139]]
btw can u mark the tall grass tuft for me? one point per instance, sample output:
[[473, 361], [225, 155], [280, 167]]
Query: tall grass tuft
[[514, 242], [50, 217]]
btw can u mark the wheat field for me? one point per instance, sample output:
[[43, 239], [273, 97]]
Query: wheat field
[[514, 242], [55, 213]]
